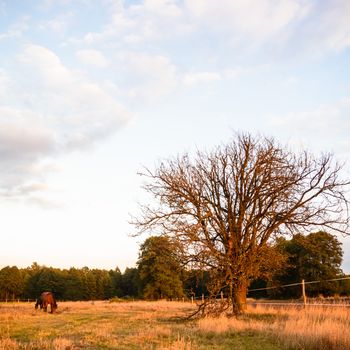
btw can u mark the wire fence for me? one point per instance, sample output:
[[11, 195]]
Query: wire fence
[[299, 284], [299, 304], [303, 302]]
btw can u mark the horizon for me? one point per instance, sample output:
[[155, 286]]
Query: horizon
[[93, 91]]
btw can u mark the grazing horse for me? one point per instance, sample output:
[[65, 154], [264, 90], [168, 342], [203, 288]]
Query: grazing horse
[[44, 300]]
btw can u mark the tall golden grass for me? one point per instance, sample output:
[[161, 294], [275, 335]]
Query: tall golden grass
[[293, 327]]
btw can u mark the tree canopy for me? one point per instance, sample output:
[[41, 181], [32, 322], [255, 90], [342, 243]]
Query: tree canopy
[[313, 257], [225, 206], [159, 269]]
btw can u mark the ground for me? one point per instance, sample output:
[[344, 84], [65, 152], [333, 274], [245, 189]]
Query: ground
[[162, 325]]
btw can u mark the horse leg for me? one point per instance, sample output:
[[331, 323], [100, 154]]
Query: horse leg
[[45, 306]]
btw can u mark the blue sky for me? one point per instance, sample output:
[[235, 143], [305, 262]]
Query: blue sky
[[91, 91]]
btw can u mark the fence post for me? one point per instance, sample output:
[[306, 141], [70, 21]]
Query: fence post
[[203, 298], [303, 291], [222, 295]]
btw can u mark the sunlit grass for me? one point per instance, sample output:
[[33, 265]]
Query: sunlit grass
[[97, 325], [161, 325], [293, 327]]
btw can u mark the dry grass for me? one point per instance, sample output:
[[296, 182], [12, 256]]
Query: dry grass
[[86, 325], [293, 327], [155, 325]]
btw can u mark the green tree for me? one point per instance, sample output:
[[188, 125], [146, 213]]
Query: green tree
[[104, 287], [344, 286], [73, 285], [45, 279], [116, 278], [11, 282], [196, 282], [159, 269], [89, 283], [32, 274], [225, 206], [130, 283], [313, 257]]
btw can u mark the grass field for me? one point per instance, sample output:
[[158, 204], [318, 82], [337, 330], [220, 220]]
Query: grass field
[[159, 325]]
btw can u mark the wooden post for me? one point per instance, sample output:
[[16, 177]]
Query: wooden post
[[303, 291], [203, 298], [222, 295], [192, 299]]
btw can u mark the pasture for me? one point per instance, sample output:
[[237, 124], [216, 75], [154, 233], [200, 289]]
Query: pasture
[[161, 325]]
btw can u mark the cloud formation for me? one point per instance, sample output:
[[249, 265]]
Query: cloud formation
[[248, 20], [50, 110], [148, 76], [57, 97], [92, 57]]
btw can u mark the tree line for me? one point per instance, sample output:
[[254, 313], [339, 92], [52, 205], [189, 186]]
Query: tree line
[[66, 284], [160, 274]]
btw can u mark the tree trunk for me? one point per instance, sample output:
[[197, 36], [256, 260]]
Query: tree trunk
[[239, 296]]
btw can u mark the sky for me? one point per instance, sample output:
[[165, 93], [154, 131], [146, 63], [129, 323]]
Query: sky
[[91, 92]]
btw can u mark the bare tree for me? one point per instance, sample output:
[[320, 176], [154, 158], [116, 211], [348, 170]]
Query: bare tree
[[224, 207]]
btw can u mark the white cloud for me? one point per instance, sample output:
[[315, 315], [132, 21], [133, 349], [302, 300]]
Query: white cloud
[[73, 102], [43, 202], [51, 109], [286, 27], [16, 30], [195, 78], [327, 29], [3, 82], [58, 24], [22, 146], [201, 77], [280, 28], [249, 22], [292, 80], [92, 57], [150, 20], [150, 76], [18, 141], [161, 8]]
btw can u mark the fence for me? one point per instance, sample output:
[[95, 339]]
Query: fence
[[17, 300], [304, 302]]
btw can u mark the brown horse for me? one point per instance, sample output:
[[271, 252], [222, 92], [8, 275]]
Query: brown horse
[[44, 300]]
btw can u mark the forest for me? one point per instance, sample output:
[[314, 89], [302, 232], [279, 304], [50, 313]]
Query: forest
[[159, 274]]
